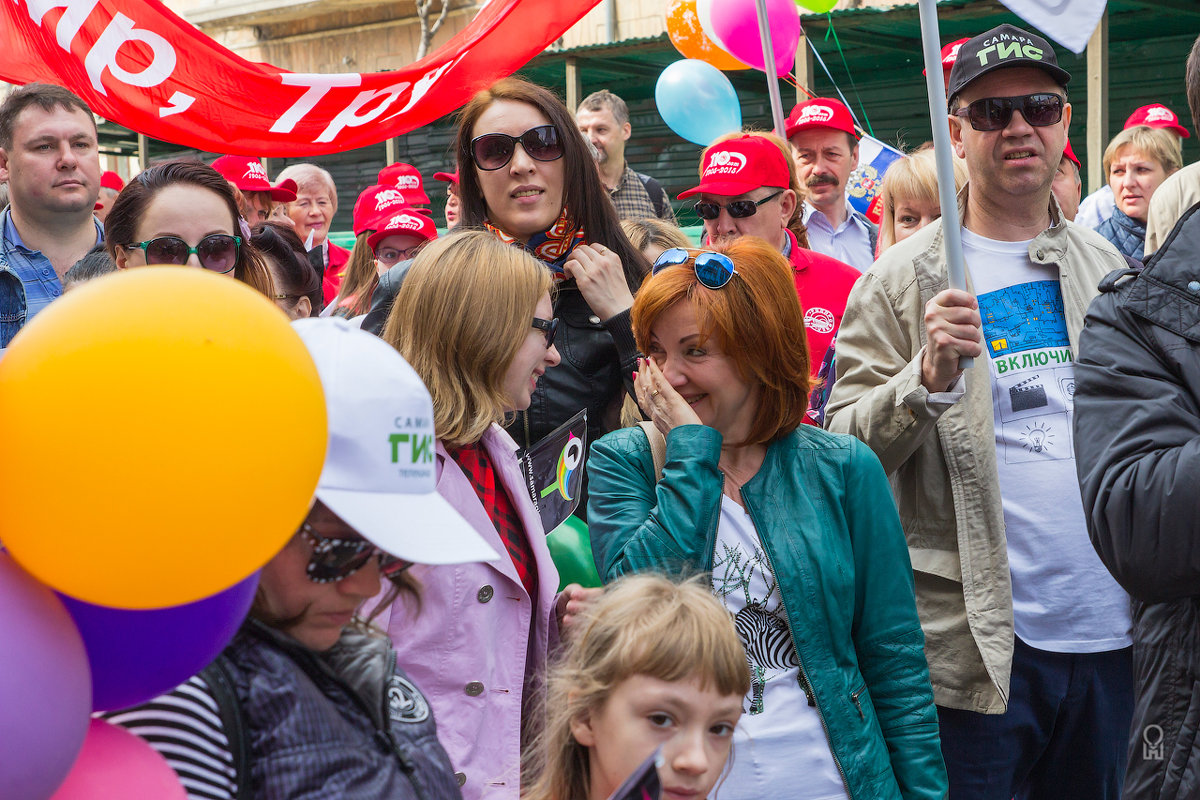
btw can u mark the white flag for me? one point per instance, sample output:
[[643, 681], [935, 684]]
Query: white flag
[[1068, 22]]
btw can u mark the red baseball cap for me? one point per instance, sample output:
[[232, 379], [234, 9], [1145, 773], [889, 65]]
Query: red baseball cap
[[448, 177], [407, 179], [248, 175], [820, 112], [406, 221], [742, 164], [949, 56], [111, 180], [1157, 116], [1070, 154], [374, 205]]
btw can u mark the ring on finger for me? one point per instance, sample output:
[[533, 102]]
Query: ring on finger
[[655, 393]]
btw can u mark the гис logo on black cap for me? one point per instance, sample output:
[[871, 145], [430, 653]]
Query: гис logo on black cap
[[1005, 45]]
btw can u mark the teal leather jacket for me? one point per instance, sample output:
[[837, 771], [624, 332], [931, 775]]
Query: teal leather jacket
[[823, 509]]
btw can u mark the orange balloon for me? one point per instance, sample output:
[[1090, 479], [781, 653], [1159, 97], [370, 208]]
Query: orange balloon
[[163, 431], [683, 28]]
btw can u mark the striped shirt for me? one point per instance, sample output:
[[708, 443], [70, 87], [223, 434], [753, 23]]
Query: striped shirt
[[184, 727]]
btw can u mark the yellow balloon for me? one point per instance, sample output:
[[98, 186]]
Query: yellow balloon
[[162, 430]]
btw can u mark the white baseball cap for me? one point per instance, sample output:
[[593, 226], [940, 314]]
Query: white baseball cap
[[380, 473]]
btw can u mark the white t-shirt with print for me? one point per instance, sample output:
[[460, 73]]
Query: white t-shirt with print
[[1064, 600], [780, 748]]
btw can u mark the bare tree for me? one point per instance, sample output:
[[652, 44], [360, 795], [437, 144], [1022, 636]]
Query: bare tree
[[428, 31]]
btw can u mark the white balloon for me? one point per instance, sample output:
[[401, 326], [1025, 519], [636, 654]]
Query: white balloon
[[704, 13]]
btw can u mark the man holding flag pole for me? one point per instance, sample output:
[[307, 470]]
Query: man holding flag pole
[[1027, 634]]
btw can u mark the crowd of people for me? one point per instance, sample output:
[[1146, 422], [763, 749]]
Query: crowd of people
[[837, 559]]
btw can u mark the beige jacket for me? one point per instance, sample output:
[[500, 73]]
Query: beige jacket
[[1173, 196], [941, 456]]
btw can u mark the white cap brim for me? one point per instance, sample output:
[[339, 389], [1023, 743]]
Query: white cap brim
[[421, 528]]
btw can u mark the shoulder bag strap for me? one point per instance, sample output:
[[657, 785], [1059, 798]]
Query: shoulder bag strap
[[221, 686], [658, 447]]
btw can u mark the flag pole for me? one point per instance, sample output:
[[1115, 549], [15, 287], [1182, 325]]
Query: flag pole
[[764, 33], [935, 87]]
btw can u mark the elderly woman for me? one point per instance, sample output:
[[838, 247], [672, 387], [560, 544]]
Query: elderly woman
[[795, 525], [1136, 161], [312, 211]]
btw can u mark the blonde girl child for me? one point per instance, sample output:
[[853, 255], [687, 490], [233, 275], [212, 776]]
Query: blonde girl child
[[652, 664]]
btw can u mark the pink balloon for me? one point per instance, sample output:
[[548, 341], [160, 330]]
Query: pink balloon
[[45, 687], [735, 25], [115, 763]]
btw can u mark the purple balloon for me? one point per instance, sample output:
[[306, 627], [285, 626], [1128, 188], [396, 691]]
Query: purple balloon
[[45, 690], [136, 655]]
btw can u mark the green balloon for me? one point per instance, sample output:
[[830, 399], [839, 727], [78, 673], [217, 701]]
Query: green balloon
[[571, 548]]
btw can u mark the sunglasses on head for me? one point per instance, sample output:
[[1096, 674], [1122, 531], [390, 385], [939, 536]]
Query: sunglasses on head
[[994, 113], [333, 560], [217, 252], [548, 327], [738, 209], [713, 270], [494, 150]]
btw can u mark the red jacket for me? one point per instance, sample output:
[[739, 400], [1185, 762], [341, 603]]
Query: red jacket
[[823, 284], [335, 270]]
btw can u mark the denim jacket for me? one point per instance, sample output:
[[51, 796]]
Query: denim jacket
[[12, 298]]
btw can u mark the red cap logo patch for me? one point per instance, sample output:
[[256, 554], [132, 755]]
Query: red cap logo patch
[[725, 162], [388, 198], [1159, 114], [811, 115], [408, 182], [255, 171], [405, 222]]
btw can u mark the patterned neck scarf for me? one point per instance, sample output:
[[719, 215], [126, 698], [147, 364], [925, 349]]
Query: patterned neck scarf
[[552, 247]]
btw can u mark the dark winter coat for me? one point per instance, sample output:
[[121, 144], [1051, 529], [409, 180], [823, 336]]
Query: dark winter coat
[[1137, 445]]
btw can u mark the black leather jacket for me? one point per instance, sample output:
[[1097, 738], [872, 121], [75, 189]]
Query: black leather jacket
[[598, 361], [1137, 448]]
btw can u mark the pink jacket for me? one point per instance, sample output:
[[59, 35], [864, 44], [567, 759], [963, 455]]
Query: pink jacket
[[469, 647]]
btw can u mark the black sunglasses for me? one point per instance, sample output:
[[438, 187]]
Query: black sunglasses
[[994, 113], [713, 270], [492, 151], [548, 327], [218, 252], [333, 560], [738, 209]]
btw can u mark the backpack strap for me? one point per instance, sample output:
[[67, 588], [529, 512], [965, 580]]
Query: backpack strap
[[655, 190], [658, 447], [216, 675]]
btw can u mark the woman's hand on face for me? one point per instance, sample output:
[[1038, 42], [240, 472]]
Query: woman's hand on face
[[666, 407], [601, 279], [573, 600]]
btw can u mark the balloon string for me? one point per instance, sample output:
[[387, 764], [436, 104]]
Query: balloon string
[[831, 31], [791, 78]]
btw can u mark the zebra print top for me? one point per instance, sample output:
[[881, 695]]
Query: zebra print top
[[184, 726]]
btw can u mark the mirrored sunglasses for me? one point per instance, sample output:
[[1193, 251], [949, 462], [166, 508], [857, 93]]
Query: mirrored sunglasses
[[994, 113], [218, 252], [713, 270], [492, 151]]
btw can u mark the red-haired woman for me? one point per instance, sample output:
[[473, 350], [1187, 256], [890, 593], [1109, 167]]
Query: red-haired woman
[[796, 525]]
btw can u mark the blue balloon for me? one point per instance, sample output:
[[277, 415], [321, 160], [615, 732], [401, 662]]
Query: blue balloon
[[697, 101], [136, 655]]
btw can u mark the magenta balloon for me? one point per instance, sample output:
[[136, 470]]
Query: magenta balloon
[[735, 22], [116, 764], [45, 689], [136, 655]]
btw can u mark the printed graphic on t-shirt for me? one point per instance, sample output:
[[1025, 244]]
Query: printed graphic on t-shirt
[[1024, 328], [744, 579]]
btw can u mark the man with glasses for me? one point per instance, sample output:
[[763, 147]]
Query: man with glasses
[[50, 157], [745, 190], [1027, 634], [821, 132]]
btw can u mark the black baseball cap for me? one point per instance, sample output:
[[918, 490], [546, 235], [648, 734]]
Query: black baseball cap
[[1000, 48]]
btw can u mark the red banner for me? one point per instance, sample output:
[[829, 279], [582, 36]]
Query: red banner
[[138, 64]]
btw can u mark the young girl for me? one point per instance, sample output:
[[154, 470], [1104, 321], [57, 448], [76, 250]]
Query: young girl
[[653, 664]]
